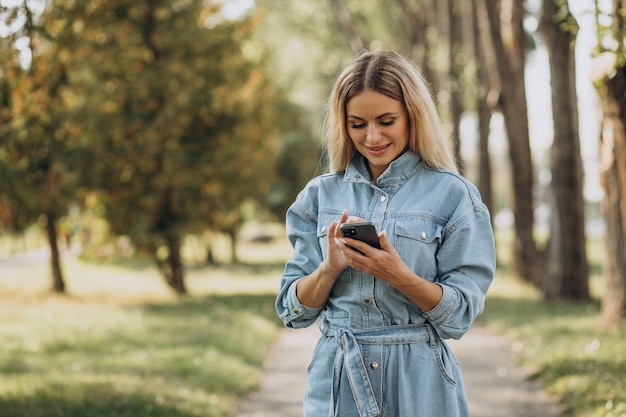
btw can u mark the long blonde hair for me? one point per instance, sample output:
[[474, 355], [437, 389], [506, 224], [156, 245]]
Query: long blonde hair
[[395, 76]]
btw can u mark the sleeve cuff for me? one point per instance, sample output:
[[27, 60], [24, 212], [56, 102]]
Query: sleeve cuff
[[298, 315], [442, 311]]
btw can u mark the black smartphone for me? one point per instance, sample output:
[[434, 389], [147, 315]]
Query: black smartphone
[[363, 231]]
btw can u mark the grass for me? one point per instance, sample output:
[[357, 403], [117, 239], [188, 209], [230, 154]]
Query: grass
[[582, 364], [183, 359], [120, 344], [571, 356]]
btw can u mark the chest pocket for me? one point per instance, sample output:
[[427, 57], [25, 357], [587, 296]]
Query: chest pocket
[[323, 224], [417, 242]]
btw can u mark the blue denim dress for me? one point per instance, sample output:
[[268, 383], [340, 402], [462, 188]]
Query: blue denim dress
[[379, 354]]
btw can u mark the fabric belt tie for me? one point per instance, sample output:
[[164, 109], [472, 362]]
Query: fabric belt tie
[[349, 357]]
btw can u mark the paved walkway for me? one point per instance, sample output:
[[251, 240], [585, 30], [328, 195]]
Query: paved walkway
[[496, 386]]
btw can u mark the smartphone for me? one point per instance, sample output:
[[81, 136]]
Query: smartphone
[[363, 231]]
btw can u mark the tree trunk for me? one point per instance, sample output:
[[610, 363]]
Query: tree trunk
[[483, 110], [509, 53], [58, 284], [345, 25], [613, 177], [422, 19], [566, 273], [177, 269], [456, 51], [233, 245], [172, 268]]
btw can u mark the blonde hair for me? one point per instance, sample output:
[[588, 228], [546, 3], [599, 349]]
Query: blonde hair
[[395, 76]]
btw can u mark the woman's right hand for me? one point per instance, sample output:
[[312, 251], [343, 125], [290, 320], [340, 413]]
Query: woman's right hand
[[335, 261], [313, 290]]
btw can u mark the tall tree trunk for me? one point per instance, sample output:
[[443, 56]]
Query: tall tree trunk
[[614, 265], [611, 84], [422, 17], [509, 47], [345, 25], [455, 57], [455, 54], [613, 176], [483, 107], [58, 284], [566, 272]]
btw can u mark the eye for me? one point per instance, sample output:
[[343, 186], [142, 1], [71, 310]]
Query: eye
[[355, 125], [387, 122]]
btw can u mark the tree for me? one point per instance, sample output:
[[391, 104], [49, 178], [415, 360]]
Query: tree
[[420, 24], [39, 147], [456, 61], [178, 120], [611, 86], [566, 270], [508, 41], [483, 61]]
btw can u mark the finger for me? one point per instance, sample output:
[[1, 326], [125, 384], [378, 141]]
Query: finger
[[354, 219], [358, 247], [384, 242], [332, 230], [344, 217]]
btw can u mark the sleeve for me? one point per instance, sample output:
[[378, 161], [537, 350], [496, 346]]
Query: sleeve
[[302, 233], [466, 267]]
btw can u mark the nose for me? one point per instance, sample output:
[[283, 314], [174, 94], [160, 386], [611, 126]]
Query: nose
[[373, 134]]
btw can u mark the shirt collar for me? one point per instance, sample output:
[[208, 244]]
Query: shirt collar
[[402, 168]]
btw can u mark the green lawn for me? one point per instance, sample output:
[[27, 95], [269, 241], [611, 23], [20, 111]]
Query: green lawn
[[120, 344]]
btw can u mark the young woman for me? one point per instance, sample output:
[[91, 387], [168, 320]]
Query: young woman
[[383, 313]]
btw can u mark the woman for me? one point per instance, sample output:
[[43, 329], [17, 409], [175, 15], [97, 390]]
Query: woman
[[384, 312]]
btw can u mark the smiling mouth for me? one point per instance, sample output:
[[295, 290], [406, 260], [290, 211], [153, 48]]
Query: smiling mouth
[[377, 148]]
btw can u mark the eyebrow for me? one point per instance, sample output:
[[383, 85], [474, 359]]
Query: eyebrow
[[382, 116]]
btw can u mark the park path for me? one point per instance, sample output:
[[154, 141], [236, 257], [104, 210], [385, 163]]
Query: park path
[[496, 386]]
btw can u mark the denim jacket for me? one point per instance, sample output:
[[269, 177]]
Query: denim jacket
[[437, 222]]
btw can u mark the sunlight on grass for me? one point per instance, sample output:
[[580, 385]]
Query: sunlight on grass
[[194, 357], [122, 344], [562, 342]]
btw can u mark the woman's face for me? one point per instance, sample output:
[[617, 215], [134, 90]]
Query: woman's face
[[378, 126]]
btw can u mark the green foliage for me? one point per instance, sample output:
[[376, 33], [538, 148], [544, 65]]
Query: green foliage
[[179, 133], [165, 109], [38, 151]]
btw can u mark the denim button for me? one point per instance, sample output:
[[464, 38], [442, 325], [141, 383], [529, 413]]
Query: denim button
[[383, 198], [374, 365], [424, 235], [296, 310], [367, 301]]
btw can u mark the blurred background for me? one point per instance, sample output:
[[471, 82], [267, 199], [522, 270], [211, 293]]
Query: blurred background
[[141, 139]]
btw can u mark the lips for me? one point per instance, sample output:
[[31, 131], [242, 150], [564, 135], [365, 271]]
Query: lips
[[376, 150]]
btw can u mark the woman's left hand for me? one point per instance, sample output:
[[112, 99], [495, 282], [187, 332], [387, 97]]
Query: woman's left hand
[[384, 263]]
